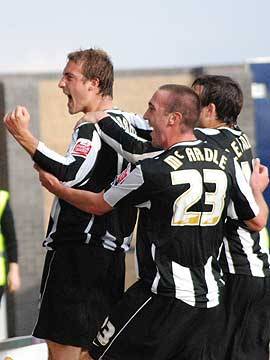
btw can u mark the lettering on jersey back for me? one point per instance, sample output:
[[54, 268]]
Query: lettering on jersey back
[[174, 160], [240, 144], [195, 154], [123, 122]]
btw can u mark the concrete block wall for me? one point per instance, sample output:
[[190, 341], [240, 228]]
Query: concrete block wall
[[27, 204]]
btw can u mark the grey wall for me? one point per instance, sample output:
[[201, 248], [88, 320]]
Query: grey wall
[[27, 203]]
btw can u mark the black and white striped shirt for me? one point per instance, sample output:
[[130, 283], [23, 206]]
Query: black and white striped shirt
[[186, 191], [244, 252], [89, 164], [131, 146]]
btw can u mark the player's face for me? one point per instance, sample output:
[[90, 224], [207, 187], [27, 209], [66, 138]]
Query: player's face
[[203, 119], [76, 87], [157, 116]]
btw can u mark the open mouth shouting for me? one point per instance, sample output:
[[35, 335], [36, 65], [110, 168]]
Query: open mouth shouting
[[70, 103]]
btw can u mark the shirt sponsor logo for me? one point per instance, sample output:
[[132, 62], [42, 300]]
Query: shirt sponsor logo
[[82, 148]]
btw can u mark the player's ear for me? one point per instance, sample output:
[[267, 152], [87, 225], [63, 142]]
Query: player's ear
[[211, 110], [93, 84], [174, 118]]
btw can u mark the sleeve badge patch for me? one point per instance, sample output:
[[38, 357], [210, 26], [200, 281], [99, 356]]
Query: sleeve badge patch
[[124, 174], [82, 147]]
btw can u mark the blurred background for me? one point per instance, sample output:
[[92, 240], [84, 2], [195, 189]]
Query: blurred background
[[151, 43]]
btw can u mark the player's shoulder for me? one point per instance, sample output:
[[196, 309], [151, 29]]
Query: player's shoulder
[[123, 119], [136, 120], [204, 132], [85, 137], [223, 131], [85, 130], [83, 126], [118, 113], [223, 136], [151, 166], [231, 132]]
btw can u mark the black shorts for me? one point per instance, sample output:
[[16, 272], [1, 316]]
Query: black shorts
[[145, 326], [243, 332], [79, 286]]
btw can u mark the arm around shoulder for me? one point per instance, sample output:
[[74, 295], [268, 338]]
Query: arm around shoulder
[[92, 203]]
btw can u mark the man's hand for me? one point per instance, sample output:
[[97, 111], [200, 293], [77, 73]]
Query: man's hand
[[17, 120], [13, 278], [92, 203], [91, 117], [17, 123], [49, 181], [259, 178], [259, 181]]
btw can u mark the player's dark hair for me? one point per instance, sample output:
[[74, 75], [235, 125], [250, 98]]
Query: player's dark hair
[[224, 92], [184, 100], [96, 64]]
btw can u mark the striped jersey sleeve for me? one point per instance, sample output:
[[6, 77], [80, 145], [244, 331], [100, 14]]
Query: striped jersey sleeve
[[132, 147], [244, 252], [128, 187], [243, 205], [75, 167], [141, 125]]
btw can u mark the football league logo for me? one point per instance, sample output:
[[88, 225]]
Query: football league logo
[[124, 174], [82, 148]]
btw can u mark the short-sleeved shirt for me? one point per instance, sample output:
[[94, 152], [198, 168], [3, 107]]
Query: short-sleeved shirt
[[186, 191], [245, 252], [89, 164]]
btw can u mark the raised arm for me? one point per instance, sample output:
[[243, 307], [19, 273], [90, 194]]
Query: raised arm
[[80, 159], [17, 122]]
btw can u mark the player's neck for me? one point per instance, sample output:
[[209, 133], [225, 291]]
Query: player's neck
[[105, 103], [101, 103], [222, 125], [218, 124], [180, 138]]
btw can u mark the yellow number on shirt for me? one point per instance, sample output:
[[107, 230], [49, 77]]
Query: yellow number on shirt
[[181, 214]]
